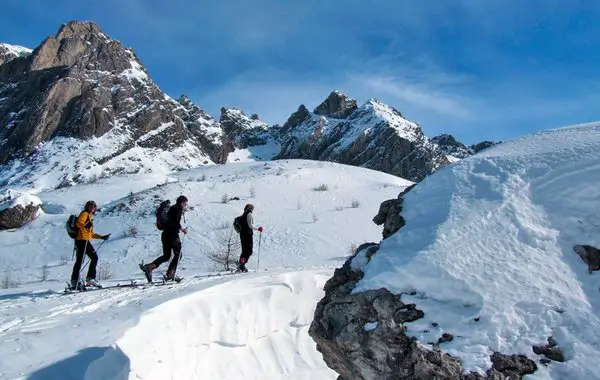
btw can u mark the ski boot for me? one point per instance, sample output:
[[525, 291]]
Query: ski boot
[[171, 276], [76, 285], [93, 282], [147, 269]]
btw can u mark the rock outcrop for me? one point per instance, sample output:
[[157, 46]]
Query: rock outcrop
[[82, 91], [389, 214], [18, 216], [374, 136], [590, 255]]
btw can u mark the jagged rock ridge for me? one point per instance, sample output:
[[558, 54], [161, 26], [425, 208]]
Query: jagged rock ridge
[[375, 136]]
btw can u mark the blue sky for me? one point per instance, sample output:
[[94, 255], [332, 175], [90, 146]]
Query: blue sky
[[476, 69]]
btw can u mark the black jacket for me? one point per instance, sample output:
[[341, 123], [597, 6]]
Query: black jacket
[[174, 215]]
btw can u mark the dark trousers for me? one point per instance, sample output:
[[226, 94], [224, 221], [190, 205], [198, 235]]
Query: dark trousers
[[246, 240], [169, 243], [84, 246]]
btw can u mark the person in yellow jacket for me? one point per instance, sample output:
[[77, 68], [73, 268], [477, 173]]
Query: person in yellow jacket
[[85, 233]]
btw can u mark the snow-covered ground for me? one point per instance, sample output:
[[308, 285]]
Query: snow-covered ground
[[491, 237], [251, 326]]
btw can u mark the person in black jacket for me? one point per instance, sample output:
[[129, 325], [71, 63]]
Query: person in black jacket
[[246, 236], [170, 241]]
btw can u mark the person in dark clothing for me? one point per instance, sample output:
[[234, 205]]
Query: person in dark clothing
[[170, 241], [85, 233], [246, 236]]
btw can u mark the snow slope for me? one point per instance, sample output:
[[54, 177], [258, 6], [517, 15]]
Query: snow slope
[[254, 326], [492, 237]]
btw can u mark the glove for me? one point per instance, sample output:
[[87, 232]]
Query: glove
[[105, 237], [260, 229]]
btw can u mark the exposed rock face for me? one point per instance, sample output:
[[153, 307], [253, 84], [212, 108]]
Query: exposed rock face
[[337, 106], [18, 216], [82, 84], [244, 131], [374, 136], [483, 145], [362, 335], [590, 255], [550, 351], [389, 214], [452, 147]]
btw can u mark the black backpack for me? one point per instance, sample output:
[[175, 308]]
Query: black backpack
[[162, 220], [237, 224], [71, 226]]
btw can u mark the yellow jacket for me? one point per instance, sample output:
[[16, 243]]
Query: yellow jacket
[[85, 233]]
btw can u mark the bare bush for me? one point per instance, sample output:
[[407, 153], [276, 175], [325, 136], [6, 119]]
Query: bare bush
[[355, 203], [315, 217], [228, 247], [132, 231], [223, 226], [64, 259], [45, 273], [202, 178], [352, 249], [224, 198], [212, 186], [105, 271], [321, 187], [252, 192], [339, 208], [9, 281]]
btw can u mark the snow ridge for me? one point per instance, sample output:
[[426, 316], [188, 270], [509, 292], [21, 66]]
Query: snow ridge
[[488, 252]]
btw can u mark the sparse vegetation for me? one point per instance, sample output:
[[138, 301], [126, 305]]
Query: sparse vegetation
[[64, 259], [321, 187], [223, 226], [228, 247], [355, 203], [45, 273], [315, 217], [9, 281], [132, 231], [352, 249], [202, 178], [339, 208], [104, 271], [212, 186], [224, 198], [252, 191]]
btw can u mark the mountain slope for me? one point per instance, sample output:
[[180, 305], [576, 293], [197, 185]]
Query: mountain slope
[[260, 319], [375, 136], [487, 253], [81, 106]]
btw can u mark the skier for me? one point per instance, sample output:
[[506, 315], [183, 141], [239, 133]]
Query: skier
[[170, 241], [85, 233], [247, 230]]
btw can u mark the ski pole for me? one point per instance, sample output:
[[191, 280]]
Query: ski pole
[[258, 254]]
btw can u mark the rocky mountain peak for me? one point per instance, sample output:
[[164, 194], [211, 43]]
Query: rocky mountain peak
[[296, 118], [452, 147], [337, 106], [234, 120], [83, 45]]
